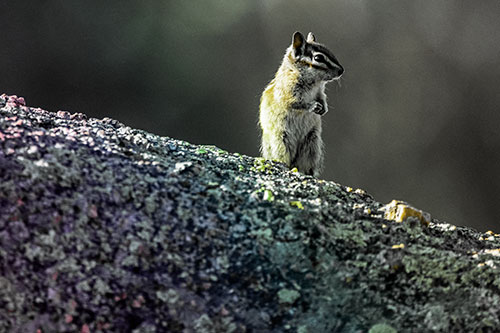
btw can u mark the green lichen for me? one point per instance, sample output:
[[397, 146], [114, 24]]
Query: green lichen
[[264, 194], [169, 296], [302, 329], [201, 151], [263, 235], [204, 324], [288, 296], [262, 165], [382, 328], [268, 195]]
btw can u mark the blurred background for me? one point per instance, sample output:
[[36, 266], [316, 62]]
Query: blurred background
[[414, 118]]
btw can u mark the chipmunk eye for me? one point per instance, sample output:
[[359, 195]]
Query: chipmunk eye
[[319, 58]]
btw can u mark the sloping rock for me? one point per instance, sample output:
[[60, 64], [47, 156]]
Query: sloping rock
[[106, 228]]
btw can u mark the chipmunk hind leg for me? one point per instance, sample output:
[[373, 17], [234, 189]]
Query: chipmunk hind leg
[[309, 155]]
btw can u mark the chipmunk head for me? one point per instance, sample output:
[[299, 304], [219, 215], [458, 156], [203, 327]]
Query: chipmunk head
[[313, 59]]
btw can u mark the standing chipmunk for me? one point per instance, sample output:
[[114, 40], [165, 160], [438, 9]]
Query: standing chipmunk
[[292, 104]]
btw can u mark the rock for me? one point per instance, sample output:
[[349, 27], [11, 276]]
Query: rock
[[399, 211], [106, 228]]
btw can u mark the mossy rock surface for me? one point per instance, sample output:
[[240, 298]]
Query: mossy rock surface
[[106, 228]]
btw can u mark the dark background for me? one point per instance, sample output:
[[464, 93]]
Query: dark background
[[415, 117]]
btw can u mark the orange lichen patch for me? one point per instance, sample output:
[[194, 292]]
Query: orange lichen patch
[[445, 226], [399, 211], [366, 210], [398, 246], [489, 263], [490, 236]]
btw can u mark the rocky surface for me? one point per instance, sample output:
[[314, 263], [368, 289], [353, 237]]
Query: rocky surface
[[106, 228]]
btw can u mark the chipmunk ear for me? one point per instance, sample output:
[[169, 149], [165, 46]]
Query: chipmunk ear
[[310, 38], [298, 43]]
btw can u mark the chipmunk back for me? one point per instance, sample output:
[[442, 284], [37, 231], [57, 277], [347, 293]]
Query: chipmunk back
[[293, 102]]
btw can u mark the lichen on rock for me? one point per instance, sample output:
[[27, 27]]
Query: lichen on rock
[[106, 228]]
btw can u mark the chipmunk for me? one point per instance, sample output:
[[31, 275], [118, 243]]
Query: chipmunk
[[292, 104]]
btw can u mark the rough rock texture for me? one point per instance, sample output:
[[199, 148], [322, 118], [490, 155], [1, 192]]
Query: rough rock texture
[[105, 228]]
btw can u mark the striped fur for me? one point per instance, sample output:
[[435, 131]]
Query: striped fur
[[293, 103]]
